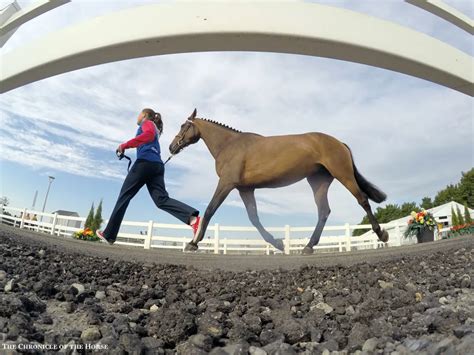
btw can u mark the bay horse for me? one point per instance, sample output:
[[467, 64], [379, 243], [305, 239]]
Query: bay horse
[[248, 161]]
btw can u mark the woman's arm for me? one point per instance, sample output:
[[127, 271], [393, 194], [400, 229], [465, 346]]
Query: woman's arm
[[147, 136]]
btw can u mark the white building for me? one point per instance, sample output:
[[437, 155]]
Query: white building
[[65, 222]]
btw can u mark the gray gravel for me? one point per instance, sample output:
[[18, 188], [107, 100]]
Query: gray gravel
[[60, 292]]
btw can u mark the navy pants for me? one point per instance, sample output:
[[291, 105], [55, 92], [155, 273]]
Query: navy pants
[[152, 174]]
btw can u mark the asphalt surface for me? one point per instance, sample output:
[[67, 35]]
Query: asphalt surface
[[204, 261]]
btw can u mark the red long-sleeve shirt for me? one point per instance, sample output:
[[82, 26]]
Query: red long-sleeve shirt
[[149, 132]]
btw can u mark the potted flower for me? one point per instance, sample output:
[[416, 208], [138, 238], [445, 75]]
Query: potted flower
[[86, 234], [422, 225]]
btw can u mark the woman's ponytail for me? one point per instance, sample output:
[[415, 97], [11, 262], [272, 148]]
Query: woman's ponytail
[[155, 117], [158, 122]]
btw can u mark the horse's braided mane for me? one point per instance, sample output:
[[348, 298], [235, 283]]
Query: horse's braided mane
[[221, 124]]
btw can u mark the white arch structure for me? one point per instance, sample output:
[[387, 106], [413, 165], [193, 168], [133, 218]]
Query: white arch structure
[[446, 12], [12, 17], [298, 28]]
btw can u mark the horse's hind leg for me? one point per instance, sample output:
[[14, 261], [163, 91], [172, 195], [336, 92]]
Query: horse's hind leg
[[248, 196], [319, 183], [349, 181]]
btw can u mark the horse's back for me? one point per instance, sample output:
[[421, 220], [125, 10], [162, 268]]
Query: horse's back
[[277, 160], [316, 142]]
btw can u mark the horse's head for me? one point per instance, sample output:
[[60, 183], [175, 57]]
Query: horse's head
[[189, 134]]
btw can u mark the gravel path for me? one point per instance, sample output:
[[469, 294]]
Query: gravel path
[[85, 297], [201, 260]]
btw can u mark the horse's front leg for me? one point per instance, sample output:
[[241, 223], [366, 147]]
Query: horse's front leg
[[248, 196], [222, 191]]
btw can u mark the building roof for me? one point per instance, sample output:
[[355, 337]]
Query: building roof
[[67, 213]]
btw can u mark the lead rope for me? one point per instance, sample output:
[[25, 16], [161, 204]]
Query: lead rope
[[121, 156], [167, 160]]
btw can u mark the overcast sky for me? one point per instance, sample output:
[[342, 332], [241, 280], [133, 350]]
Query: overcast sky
[[408, 136]]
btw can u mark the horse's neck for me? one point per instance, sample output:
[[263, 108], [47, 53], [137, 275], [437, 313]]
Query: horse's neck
[[216, 137]]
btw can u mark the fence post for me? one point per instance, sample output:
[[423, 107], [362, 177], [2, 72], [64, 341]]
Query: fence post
[[55, 218], [348, 236], [1, 213], [267, 249], [23, 216], [225, 246], [38, 225], [399, 235], [216, 238], [149, 234], [287, 239]]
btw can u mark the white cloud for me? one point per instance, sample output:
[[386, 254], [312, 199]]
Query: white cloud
[[32, 147]]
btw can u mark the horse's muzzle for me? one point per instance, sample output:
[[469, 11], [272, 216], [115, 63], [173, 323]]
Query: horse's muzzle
[[172, 149], [175, 149]]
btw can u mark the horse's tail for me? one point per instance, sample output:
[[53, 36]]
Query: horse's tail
[[372, 191]]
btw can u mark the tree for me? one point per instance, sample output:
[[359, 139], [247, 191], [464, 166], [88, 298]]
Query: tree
[[426, 203], [454, 218], [466, 188], [460, 217], [90, 218], [98, 218], [467, 215], [387, 213], [406, 209], [461, 192], [4, 201], [448, 194]]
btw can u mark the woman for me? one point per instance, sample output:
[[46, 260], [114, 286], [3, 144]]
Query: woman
[[148, 169]]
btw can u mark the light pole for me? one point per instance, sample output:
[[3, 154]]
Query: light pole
[[34, 200], [51, 178]]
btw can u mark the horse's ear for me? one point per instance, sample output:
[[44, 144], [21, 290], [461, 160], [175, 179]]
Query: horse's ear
[[193, 115]]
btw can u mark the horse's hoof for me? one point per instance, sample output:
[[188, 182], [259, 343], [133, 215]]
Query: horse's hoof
[[307, 251], [190, 247], [279, 245], [384, 236]]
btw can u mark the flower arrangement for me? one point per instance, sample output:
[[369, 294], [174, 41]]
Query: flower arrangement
[[86, 234], [419, 221]]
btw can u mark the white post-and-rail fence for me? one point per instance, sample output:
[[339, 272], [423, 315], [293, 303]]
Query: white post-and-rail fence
[[221, 239]]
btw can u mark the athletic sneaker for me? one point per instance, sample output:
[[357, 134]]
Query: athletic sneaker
[[196, 224], [102, 237]]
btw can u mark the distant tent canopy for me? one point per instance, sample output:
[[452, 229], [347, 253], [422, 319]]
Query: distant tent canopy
[[442, 215], [64, 222], [67, 213]]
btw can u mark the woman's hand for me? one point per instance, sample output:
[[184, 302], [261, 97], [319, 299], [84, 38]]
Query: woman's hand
[[120, 150]]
